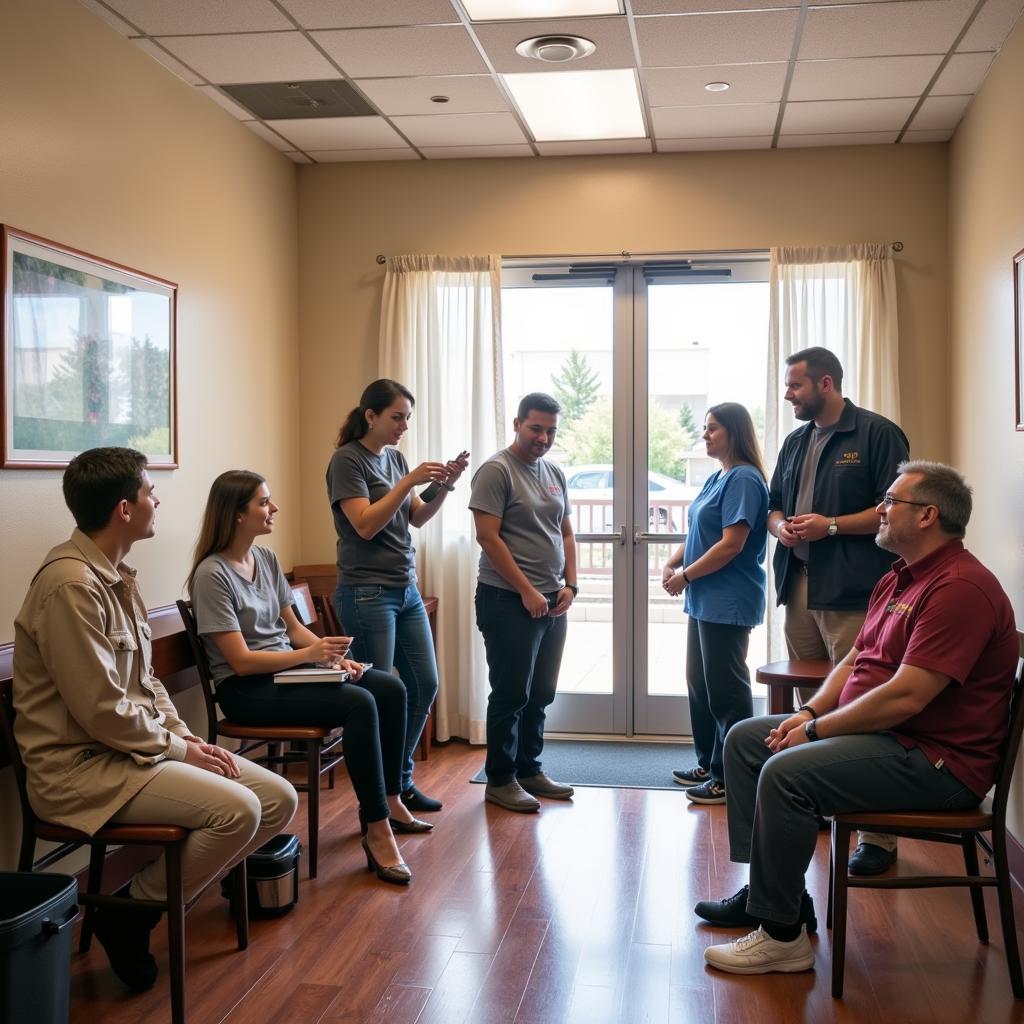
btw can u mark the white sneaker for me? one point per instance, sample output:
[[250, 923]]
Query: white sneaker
[[759, 953]]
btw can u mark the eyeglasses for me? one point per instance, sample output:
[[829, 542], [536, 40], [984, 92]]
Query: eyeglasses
[[888, 501]]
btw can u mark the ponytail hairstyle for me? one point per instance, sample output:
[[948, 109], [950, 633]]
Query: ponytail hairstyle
[[230, 493], [377, 397], [743, 446]]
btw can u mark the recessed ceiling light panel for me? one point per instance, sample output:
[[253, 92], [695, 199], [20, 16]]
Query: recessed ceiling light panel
[[533, 10], [556, 49], [567, 105]]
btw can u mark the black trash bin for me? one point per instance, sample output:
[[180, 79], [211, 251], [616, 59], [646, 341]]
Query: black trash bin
[[273, 872], [36, 915]]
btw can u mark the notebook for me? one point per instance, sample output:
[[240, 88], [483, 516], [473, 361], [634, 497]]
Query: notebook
[[311, 675]]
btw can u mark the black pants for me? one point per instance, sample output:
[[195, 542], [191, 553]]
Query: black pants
[[718, 684], [524, 656], [372, 712]]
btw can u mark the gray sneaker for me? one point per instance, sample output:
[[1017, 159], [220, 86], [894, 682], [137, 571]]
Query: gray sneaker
[[541, 785], [512, 797]]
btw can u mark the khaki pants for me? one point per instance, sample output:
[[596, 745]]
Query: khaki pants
[[228, 818], [812, 634]]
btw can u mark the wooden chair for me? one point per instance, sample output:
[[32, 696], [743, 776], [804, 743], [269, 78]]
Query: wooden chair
[[318, 747], [783, 677], [169, 838], [962, 828], [322, 579]]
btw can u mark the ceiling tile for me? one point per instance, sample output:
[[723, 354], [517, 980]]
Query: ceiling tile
[[109, 17], [699, 145], [233, 108], [749, 83], [716, 38], [161, 18], [831, 116], [298, 158], [467, 94], [397, 52], [338, 133], [943, 135], [257, 57], [594, 148], [614, 48], [460, 129], [474, 152], [862, 77], [169, 62], [940, 112], [992, 25], [267, 135], [713, 121], [963, 74], [837, 139], [648, 7], [880, 29], [365, 13], [338, 156]]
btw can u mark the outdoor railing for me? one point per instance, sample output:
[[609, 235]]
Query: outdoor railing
[[594, 515]]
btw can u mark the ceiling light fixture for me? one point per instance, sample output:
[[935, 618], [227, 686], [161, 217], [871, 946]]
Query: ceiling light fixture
[[717, 86], [556, 49], [529, 10], [439, 99]]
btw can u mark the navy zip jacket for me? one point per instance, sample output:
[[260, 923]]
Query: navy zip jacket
[[857, 465]]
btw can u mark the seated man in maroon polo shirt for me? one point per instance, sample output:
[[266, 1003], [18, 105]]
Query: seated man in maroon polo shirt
[[913, 718]]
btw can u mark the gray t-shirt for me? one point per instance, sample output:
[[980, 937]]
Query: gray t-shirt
[[805, 487], [389, 559], [224, 601], [531, 500]]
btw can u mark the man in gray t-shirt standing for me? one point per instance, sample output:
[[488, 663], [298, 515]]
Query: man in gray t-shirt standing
[[526, 584]]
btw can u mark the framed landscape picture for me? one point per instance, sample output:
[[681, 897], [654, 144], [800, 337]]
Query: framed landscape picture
[[88, 356], [1018, 333]]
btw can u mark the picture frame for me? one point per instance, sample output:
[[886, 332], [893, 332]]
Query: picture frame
[[1018, 335], [89, 356]]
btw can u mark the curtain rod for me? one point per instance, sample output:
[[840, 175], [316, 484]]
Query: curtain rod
[[624, 254]]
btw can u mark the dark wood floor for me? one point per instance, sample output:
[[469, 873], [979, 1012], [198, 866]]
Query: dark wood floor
[[580, 914]]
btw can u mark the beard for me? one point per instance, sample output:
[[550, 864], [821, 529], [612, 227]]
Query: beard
[[812, 408], [885, 540]]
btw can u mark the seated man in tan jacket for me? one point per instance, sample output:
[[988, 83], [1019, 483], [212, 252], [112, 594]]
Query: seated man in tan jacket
[[99, 735]]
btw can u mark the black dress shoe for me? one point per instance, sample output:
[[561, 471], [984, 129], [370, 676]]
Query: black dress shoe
[[869, 859], [415, 825], [124, 935], [417, 801], [732, 912]]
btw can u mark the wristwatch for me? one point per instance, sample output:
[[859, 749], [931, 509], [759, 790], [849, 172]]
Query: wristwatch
[[811, 730], [833, 527], [575, 590]]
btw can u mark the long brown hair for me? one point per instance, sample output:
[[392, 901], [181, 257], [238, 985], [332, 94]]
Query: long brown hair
[[229, 495], [377, 396], [743, 446]]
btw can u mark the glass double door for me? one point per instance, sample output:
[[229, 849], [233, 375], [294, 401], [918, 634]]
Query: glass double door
[[635, 354]]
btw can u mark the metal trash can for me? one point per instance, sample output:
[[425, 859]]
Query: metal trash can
[[273, 872], [37, 912]]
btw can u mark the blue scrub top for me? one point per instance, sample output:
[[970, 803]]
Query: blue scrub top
[[735, 595]]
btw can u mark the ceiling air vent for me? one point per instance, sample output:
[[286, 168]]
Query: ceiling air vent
[[556, 49], [282, 101]]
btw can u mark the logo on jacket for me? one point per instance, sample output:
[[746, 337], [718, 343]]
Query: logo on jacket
[[849, 459]]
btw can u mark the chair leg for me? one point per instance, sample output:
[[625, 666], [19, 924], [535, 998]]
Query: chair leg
[[240, 902], [313, 804], [1005, 889], [970, 845], [176, 930], [97, 858], [831, 881], [840, 856], [27, 853]]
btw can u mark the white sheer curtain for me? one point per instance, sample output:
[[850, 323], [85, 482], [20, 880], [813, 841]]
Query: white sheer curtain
[[440, 336], [843, 298]]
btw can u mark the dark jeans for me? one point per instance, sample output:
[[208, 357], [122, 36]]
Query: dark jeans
[[718, 684], [523, 659], [373, 752], [391, 630], [775, 800]]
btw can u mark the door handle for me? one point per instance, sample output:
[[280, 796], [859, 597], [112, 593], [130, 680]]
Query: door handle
[[640, 537]]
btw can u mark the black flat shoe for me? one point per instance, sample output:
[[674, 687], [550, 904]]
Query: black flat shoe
[[416, 825], [417, 801], [124, 935], [869, 859], [732, 912], [396, 874]]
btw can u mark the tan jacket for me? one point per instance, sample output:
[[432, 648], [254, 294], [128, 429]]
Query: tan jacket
[[92, 721]]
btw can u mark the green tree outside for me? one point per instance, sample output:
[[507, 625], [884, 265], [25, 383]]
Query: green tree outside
[[575, 388]]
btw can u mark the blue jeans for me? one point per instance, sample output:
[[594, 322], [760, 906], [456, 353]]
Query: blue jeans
[[523, 659], [391, 629]]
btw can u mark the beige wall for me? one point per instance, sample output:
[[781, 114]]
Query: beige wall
[[986, 229], [349, 213], [102, 149]]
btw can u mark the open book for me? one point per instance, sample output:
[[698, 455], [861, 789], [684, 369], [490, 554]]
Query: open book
[[311, 674]]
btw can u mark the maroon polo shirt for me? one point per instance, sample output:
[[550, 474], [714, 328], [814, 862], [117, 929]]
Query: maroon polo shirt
[[947, 613]]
